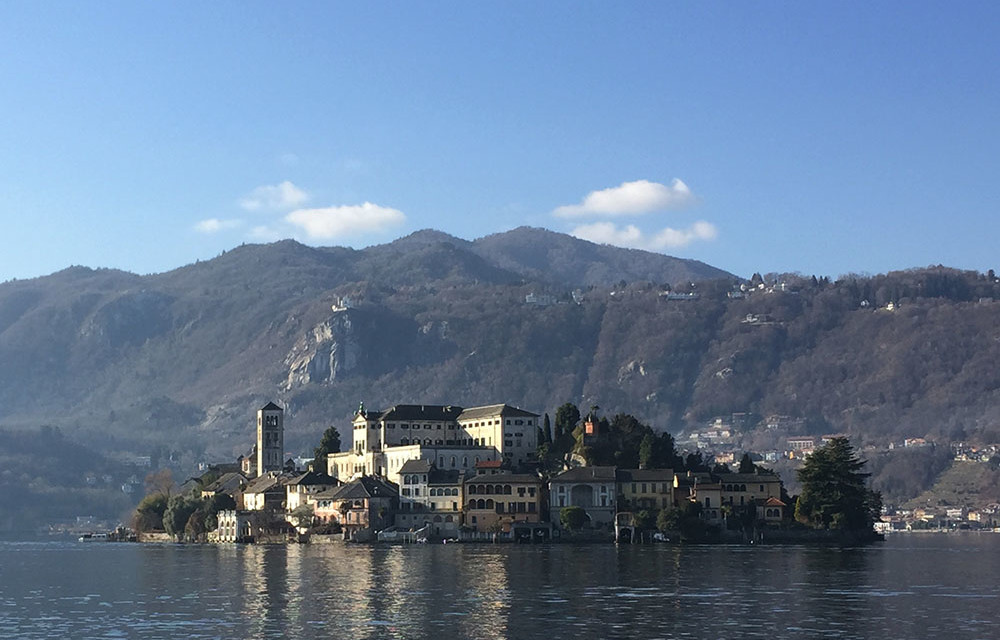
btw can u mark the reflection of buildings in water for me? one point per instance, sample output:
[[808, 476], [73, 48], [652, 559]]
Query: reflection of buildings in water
[[297, 597], [266, 588], [485, 588], [398, 594], [254, 589]]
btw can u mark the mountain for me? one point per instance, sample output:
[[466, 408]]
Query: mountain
[[539, 254], [174, 365]]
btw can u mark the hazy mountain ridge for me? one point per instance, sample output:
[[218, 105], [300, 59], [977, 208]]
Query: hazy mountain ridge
[[179, 361]]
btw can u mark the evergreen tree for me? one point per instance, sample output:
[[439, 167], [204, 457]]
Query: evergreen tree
[[834, 490], [647, 451], [547, 429], [746, 464], [567, 416], [330, 443]]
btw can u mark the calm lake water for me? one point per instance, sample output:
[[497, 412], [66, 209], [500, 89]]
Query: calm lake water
[[911, 586]]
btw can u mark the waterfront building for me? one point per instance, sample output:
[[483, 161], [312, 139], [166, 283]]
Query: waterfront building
[[265, 493], [742, 489], [363, 506], [645, 489], [448, 436], [498, 501], [594, 489], [429, 496], [299, 487]]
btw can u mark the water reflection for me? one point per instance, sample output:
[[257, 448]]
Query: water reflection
[[911, 587]]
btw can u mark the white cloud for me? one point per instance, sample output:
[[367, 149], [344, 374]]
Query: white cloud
[[629, 199], [277, 197], [214, 225], [634, 238], [335, 222]]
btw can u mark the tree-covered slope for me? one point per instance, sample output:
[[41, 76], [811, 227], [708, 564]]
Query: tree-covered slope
[[180, 361]]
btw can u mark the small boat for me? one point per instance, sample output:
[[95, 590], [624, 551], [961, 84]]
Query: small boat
[[93, 537]]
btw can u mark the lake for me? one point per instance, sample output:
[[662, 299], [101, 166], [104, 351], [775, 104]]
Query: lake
[[911, 586]]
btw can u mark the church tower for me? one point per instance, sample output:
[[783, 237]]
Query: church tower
[[270, 438]]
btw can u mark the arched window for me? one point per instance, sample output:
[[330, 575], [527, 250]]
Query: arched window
[[743, 487], [449, 519], [506, 489], [453, 462], [472, 489], [489, 504], [437, 519], [490, 489], [404, 441]]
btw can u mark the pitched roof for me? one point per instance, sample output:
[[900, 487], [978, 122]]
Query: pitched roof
[[263, 484], [444, 476], [645, 475], [503, 478], [587, 474], [270, 406], [363, 487], [312, 478], [749, 477], [416, 466], [418, 412], [504, 410], [226, 482]]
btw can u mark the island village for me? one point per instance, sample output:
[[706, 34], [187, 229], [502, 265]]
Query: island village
[[431, 473]]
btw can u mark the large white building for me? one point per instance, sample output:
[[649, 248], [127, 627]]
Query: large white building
[[450, 437]]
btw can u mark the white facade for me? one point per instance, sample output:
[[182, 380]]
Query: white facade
[[450, 437]]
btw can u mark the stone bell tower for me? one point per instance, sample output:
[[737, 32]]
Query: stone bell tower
[[270, 438]]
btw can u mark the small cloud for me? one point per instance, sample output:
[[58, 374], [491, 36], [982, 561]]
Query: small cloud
[[632, 237], [276, 197], [629, 199], [336, 222], [214, 225]]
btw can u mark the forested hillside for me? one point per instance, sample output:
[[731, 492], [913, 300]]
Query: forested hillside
[[178, 363]]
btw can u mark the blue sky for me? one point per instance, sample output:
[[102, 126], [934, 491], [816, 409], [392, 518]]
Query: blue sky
[[824, 138]]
